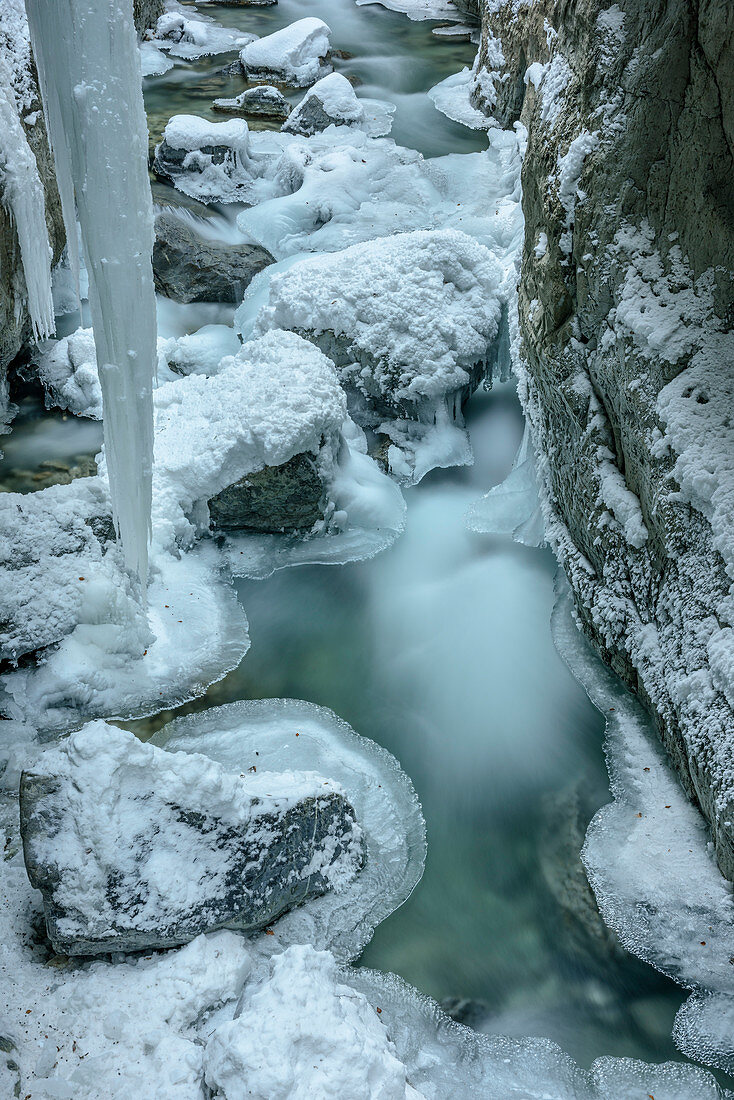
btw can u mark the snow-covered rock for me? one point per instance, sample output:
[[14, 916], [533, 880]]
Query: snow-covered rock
[[332, 102], [191, 266], [296, 55], [302, 1032], [136, 848], [212, 156], [263, 101], [410, 321]]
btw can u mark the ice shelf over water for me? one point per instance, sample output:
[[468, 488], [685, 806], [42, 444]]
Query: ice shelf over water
[[288, 734], [89, 68]]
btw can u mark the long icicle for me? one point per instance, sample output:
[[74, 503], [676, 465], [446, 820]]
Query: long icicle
[[89, 67]]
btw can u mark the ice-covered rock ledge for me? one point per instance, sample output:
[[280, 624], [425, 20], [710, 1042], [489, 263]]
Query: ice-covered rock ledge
[[626, 371], [135, 848]]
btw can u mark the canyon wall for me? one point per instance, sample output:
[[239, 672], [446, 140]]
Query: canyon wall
[[626, 365]]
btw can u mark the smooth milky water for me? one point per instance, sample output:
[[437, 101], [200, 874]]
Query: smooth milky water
[[440, 649]]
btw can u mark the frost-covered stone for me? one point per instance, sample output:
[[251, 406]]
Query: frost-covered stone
[[410, 321], [289, 497], [188, 266], [135, 848], [263, 101], [304, 1032], [185, 33], [208, 160], [332, 102], [296, 55]]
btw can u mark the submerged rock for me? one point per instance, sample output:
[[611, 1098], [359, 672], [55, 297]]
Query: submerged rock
[[188, 267], [296, 55], [136, 848], [264, 101]]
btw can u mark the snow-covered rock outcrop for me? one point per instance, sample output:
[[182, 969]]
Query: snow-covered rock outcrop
[[626, 375], [332, 102], [137, 848]]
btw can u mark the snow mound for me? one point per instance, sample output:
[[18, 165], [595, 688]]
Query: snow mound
[[287, 734], [209, 161], [294, 55], [302, 1032], [417, 312], [332, 101]]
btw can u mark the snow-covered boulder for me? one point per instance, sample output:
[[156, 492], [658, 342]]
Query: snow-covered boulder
[[411, 322], [135, 848], [332, 102], [263, 101], [296, 55], [207, 160], [277, 399], [190, 266], [68, 371], [304, 1032]]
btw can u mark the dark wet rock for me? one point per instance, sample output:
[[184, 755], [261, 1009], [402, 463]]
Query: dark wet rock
[[263, 101], [146, 14], [135, 848], [189, 268], [278, 498]]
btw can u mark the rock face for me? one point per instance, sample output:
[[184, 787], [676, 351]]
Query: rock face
[[290, 497], [626, 366], [188, 267], [136, 848], [146, 14]]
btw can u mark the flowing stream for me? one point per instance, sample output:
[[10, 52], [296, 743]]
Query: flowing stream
[[440, 649]]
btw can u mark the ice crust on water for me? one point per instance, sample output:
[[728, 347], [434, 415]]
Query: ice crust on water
[[650, 861], [452, 97], [512, 507], [90, 76], [185, 33], [303, 1032], [418, 10], [288, 734], [334, 97], [294, 55]]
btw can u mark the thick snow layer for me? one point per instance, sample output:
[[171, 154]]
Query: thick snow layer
[[183, 32], [24, 200], [650, 861], [417, 311], [153, 62], [294, 55], [89, 67], [303, 1033], [156, 823], [333, 100], [287, 734], [190, 132]]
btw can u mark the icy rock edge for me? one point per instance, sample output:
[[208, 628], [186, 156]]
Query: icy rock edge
[[288, 734]]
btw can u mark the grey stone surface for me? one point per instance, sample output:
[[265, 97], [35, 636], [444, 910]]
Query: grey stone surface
[[112, 869], [658, 90], [189, 268], [263, 101], [311, 116], [278, 498], [146, 13]]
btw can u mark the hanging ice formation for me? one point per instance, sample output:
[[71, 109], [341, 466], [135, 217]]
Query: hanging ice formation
[[22, 196], [89, 68]]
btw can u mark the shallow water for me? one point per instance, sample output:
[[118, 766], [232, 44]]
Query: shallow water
[[440, 649]]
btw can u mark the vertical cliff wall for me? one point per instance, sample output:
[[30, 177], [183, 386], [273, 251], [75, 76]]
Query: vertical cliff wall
[[627, 359]]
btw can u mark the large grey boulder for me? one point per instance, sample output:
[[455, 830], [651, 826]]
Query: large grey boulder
[[189, 267], [625, 312], [285, 498], [135, 848]]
